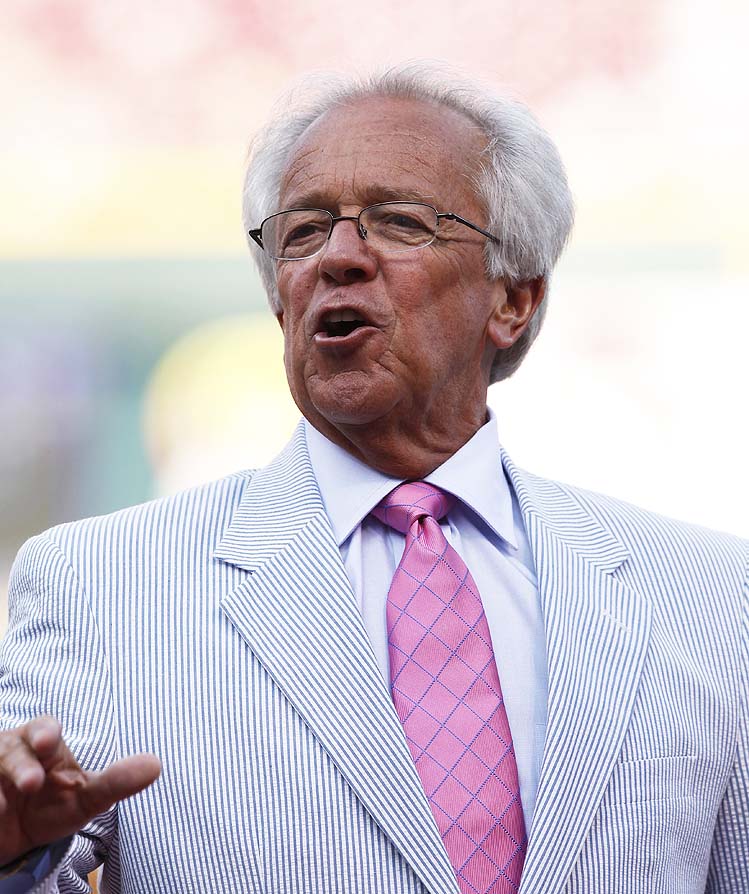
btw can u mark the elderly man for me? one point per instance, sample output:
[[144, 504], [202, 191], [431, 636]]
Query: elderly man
[[391, 661]]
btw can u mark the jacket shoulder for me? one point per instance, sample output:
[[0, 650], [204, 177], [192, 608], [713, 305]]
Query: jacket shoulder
[[627, 520], [578, 514], [197, 513], [667, 548]]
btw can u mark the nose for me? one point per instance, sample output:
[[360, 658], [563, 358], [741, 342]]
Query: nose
[[346, 257]]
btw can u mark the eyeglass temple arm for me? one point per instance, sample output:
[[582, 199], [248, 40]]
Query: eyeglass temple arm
[[448, 215], [255, 234]]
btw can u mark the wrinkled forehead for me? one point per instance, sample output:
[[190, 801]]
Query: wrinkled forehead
[[383, 148]]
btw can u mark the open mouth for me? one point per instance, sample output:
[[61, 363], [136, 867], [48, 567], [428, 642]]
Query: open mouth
[[339, 324]]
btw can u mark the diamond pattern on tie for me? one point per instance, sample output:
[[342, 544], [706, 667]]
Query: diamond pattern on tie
[[446, 691]]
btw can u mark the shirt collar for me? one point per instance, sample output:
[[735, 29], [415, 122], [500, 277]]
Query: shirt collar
[[350, 489]]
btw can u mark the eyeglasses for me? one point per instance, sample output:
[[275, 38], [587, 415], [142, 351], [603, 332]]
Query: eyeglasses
[[300, 233]]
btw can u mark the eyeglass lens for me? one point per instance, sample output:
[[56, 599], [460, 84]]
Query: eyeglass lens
[[390, 226]]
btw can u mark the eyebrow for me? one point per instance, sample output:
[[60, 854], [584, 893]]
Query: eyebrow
[[370, 196]]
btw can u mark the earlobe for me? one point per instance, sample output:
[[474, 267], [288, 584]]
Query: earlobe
[[515, 307], [279, 317]]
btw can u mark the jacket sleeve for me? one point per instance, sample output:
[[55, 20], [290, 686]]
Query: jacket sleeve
[[729, 859], [35, 870], [52, 662]]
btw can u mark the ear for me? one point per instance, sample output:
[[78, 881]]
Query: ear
[[515, 307], [279, 317]]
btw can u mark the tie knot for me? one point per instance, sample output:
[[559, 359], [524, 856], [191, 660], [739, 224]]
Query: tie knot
[[411, 501]]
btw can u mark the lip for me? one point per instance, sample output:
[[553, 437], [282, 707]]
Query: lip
[[340, 344]]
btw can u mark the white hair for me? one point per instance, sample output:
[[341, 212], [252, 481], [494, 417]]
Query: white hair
[[520, 180]]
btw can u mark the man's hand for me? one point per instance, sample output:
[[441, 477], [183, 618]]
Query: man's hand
[[45, 795]]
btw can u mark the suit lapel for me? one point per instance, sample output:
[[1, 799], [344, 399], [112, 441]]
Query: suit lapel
[[597, 633], [298, 614]]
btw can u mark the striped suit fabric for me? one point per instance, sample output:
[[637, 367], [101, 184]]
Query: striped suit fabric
[[217, 629]]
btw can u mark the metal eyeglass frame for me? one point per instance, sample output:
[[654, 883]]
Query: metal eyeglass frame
[[255, 233]]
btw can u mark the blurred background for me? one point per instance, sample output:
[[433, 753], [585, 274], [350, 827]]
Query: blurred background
[[137, 356]]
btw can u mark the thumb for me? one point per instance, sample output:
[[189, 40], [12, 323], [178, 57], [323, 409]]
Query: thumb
[[122, 779]]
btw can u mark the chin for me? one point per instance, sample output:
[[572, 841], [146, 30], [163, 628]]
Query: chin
[[353, 398]]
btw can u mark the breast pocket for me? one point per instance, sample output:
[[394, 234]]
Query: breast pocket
[[653, 779]]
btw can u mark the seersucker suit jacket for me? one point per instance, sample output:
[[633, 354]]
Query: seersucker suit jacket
[[217, 628]]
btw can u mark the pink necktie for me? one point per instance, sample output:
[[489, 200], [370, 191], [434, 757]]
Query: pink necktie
[[446, 692]]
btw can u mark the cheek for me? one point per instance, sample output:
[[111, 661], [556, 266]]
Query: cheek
[[295, 347], [293, 287], [283, 286], [450, 273], [419, 291], [452, 296]]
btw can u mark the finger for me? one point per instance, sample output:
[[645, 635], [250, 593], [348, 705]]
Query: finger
[[27, 752], [122, 779], [43, 735], [20, 766]]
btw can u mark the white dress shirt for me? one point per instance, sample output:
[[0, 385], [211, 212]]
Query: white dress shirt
[[485, 527]]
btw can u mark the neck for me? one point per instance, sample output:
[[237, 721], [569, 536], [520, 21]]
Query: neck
[[404, 450]]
